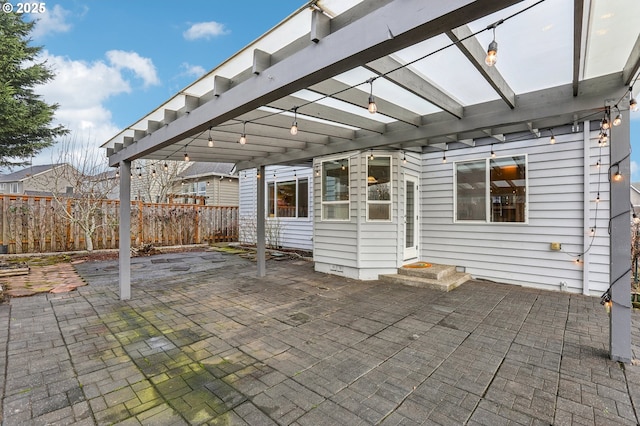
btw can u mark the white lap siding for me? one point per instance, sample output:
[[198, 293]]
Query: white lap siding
[[295, 233], [519, 253]]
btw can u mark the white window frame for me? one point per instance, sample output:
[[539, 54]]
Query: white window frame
[[340, 202], [380, 202], [488, 199], [275, 183]]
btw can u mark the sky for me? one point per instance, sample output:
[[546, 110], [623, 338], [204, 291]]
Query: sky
[[117, 60]]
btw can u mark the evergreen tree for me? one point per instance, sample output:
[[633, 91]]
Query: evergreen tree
[[25, 119]]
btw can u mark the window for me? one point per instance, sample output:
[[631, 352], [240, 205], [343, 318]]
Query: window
[[335, 189], [14, 188], [379, 188], [492, 190], [288, 199]]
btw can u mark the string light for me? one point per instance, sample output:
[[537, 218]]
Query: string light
[[153, 173], [210, 138], [492, 50], [553, 138], [373, 108], [493, 154], [343, 167], [444, 158], [404, 158], [618, 120], [592, 232], [294, 126], [598, 198], [243, 137], [371, 157], [598, 164], [636, 219], [617, 176], [186, 157], [117, 173], [166, 167], [633, 104], [605, 123]]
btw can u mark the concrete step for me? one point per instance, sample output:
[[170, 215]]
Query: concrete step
[[434, 272], [436, 277]]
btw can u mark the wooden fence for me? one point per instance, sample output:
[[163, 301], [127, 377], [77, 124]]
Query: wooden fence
[[31, 224]]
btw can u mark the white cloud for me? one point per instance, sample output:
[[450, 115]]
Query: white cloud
[[141, 67], [192, 70], [54, 20], [634, 172], [81, 89], [205, 30]]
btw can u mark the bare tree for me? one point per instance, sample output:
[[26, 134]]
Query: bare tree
[[79, 184], [153, 181]]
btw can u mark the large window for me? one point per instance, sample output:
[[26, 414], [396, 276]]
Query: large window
[[492, 190], [288, 199], [335, 189], [379, 188]]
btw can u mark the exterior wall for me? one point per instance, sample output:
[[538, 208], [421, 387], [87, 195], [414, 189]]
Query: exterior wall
[[359, 248], [519, 253], [635, 195], [294, 233], [46, 181]]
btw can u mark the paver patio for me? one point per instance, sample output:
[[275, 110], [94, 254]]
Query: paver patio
[[203, 341]]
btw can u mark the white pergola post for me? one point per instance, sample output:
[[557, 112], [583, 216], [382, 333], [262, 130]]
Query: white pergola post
[[260, 219], [125, 230], [619, 243]]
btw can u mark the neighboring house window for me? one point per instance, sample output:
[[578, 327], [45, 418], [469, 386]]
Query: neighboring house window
[[492, 190], [335, 189], [379, 188], [288, 199], [14, 188], [3, 187]]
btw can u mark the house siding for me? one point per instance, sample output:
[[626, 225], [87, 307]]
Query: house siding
[[294, 233], [519, 253]]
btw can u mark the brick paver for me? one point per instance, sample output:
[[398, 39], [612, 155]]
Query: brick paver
[[203, 341]]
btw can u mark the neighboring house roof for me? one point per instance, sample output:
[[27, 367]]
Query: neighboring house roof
[[207, 169], [27, 172]]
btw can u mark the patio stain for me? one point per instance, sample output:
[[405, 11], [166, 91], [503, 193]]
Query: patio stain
[[48, 276]]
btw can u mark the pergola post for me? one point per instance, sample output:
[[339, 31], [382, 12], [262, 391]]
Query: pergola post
[[260, 219], [125, 230], [619, 242]]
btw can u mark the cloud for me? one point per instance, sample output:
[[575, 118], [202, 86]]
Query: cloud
[[141, 67], [82, 88], [54, 20], [205, 30], [634, 172], [192, 70]]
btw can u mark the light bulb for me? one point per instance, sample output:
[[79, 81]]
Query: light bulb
[[186, 157], [605, 123], [493, 154], [636, 219], [617, 176], [598, 164], [444, 158], [552, 140], [492, 54], [618, 120], [404, 160], [153, 173], [603, 138], [243, 139], [117, 173], [294, 128], [633, 105], [371, 157], [166, 167], [210, 141], [373, 108]]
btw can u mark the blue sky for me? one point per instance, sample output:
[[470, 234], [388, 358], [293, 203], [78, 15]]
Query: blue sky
[[117, 60]]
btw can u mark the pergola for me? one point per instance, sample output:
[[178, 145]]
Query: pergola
[[559, 63]]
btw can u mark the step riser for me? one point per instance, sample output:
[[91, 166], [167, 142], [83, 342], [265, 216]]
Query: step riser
[[441, 285], [430, 273]]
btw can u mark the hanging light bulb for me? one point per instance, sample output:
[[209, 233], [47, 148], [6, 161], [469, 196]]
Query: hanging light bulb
[[493, 154], [603, 138], [492, 50], [633, 104], [294, 126], [210, 139], [139, 175], [598, 164], [243, 137], [371, 157], [553, 138], [404, 158], [166, 167], [373, 108], [592, 231], [598, 198], [605, 123], [444, 158], [153, 173], [636, 219], [617, 176], [186, 157], [618, 120], [117, 173]]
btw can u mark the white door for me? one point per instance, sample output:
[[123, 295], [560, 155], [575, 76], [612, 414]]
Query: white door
[[410, 217]]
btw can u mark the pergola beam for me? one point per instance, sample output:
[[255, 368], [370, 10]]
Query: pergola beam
[[632, 65], [362, 41], [578, 16]]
